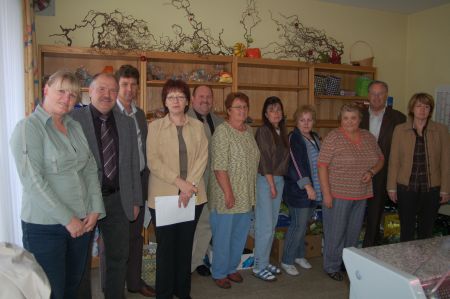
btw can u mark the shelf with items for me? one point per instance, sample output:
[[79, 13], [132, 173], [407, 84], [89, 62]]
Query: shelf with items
[[91, 61], [194, 69], [261, 78], [339, 90]]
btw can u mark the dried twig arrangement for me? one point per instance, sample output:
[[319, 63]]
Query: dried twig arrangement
[[113, 31], [303, 43], [249, 19]]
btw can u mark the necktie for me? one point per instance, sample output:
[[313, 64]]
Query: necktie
[[108, 149]]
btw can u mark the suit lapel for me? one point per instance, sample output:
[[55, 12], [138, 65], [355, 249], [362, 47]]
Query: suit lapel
[[121, 132], [90, 134], [385, 123]]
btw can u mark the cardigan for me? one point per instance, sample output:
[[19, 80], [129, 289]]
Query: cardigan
[[163, 157]]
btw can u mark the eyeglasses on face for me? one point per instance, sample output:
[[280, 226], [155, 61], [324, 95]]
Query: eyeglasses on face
[[242, 107], [175, 98]]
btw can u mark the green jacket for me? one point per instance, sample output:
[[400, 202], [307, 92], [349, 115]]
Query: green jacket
[[58, 172]]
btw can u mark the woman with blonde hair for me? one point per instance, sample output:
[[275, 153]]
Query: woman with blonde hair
[[419, 169], [62, 199], [302, 188]]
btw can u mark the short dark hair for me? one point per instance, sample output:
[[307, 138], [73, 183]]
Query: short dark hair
[[107, 75], [270, 101], [384, 84], [236, 95], [127, 71], [197, 86], [175, 85], [420, 97]]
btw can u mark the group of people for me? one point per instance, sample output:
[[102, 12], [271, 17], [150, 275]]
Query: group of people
[[101, 166]]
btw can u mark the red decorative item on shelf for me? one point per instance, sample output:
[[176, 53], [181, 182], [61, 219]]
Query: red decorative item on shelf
[[143, 58], [253, 53], [108, 69]]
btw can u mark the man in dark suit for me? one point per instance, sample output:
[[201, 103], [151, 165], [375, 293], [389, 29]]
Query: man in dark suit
[[128, 78], [202, 109], [380, 121], [113, 142]]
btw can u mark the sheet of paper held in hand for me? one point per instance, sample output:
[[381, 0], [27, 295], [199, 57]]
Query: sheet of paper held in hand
[[168, 212]]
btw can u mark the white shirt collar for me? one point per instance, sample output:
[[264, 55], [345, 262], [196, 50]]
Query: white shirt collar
[[122, 108]]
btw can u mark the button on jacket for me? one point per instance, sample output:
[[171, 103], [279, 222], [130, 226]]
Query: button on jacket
[[58, 172]]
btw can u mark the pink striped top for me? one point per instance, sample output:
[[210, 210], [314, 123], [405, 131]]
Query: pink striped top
[[348, 161]]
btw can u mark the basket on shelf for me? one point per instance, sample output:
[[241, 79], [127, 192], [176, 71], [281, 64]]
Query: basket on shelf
[[333, 86], [362, 62], [320, 84]]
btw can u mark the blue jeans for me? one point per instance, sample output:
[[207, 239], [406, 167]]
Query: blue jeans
[[266, 218], [62, 257], [229, 234], [294, 243]]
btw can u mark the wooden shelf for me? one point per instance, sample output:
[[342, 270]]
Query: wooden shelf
[[191, 83], [344, 98], [271, 86], [319, 67], [267, 63], [327, 123]]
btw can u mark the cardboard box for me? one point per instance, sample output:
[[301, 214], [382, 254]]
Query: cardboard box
[[313, 247]]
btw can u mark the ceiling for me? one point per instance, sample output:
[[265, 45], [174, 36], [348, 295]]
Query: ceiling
[[398, 6]]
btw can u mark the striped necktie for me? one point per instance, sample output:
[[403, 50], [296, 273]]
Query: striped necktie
[[108, 149]]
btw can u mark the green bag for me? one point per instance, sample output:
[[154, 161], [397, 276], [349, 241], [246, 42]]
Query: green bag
[[362, 85]]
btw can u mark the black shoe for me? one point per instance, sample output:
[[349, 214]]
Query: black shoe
[[202, 270]]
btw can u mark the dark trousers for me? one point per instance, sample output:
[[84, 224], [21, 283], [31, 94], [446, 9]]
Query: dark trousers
[[134, 270], [173, 257], [115, 231], [419, 208], [61, 256], [375, 208]]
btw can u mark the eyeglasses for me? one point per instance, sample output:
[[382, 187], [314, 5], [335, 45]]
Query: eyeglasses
[[175, 98], [240, 107]]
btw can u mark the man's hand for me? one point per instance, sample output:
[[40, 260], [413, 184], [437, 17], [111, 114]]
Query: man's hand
[[392, 196], [136, 211]]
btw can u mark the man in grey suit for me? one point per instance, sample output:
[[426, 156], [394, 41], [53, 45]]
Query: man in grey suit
[[113, 142], [128, 78], [201, 109]]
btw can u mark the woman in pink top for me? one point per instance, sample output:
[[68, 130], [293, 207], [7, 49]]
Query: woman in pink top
[[348, 160]]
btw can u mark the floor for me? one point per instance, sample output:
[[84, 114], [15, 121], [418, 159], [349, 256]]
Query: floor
[[311, 283]]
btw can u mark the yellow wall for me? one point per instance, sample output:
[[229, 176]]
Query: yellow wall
[[386, 32], [428, 50]]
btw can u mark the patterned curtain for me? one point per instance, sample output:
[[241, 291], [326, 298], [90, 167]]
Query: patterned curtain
[[30, 57]]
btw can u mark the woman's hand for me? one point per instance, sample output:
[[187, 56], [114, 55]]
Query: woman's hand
[[392, 196], [75, 227], [229, 200], [90, 221], [183, 200], [367, 177], [328, 201], [311, 192], [273, 191], [186, 187]]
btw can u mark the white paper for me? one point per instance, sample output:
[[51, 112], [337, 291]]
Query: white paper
[[168, 212]]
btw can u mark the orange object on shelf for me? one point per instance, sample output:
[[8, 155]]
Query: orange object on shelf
[[108, 69], [253, 53]]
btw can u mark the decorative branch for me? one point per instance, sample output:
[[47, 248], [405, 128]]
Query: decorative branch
[[200, 41], [113, 31], [249, 19], [301, 42]]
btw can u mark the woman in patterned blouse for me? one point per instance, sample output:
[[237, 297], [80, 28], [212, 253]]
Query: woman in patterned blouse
[[234, 161], [348, 160]]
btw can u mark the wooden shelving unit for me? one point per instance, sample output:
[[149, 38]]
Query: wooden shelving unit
[[292, 81]]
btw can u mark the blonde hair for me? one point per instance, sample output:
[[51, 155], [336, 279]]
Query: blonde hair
[[67, 81], [303, 110]]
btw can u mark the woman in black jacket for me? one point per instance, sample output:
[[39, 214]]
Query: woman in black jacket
[[301, 190]]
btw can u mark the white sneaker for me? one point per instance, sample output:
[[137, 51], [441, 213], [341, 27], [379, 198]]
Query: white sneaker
[[290, 269], [302, 262]]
